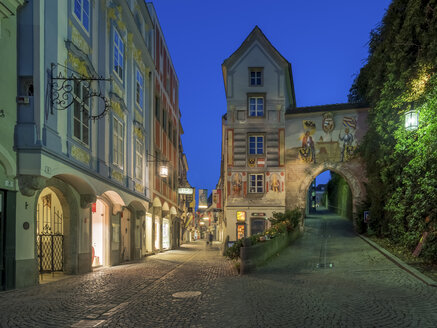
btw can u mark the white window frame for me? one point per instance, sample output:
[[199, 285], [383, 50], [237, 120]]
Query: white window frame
[[256, 142], [117, 142], [139, 88], [118, 51], [83, 13], [139, 156], [256, 113], [81, 112], [257, 185]]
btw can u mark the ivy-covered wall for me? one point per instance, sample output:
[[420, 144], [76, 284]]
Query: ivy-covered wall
[[402, 165], [339, 196]]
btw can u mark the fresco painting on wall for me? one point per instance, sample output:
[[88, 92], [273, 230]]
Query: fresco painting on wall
[[328, 122], [341, 149], [347, 139], [236, 184], [307, 151], [275, 183]]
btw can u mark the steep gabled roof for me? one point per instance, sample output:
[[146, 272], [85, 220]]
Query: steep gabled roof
[[258, 35]]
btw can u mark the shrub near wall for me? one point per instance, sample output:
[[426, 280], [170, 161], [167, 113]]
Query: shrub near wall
[[257, 249], [258, 254]]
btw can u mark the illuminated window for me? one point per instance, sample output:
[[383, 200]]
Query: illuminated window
[[82, 13], [256, 106], [256, 183], [256, 145]]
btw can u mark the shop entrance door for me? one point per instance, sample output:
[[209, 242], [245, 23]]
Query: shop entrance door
[[149, 232], [100, 231], [50, 237], [2, 239]]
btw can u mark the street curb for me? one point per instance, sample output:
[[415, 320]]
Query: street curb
[[414, 272]]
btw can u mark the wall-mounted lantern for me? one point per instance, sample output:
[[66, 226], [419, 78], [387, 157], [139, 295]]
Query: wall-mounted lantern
[[412, 119], [163, 171]]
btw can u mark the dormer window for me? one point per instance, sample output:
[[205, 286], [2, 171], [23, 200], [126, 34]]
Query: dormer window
[[255, 76]]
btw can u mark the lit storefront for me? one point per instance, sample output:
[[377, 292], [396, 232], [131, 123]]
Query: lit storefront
[[165, 234]]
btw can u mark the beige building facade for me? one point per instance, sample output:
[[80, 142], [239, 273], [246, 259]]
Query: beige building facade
[[271, 149]]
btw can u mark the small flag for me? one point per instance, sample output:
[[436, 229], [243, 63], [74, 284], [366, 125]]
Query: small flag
[[261, 162], [350, 122]]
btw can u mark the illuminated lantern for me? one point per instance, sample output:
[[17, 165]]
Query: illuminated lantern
[[411, 120]]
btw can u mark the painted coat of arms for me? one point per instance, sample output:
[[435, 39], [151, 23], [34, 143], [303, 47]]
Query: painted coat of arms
[[328, 122]]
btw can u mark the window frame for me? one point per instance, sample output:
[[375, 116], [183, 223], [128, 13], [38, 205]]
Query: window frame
[[256, 144], [256, 186], [82, 12], [117, 140], [139, 93], [139, 159], [256, 96], [78, 100], [116, 46], [255, 70]]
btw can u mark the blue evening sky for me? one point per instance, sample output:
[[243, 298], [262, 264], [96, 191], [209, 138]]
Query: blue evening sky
[[325, 42]]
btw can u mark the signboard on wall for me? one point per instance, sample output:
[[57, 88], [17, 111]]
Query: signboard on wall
[[241, 216], [185, 191], [203, 198]]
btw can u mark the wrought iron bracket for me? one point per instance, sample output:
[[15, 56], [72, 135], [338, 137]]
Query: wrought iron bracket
[[62, 87]]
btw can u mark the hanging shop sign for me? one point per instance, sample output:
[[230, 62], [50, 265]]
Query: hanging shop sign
[[203, 198], [185, 191]]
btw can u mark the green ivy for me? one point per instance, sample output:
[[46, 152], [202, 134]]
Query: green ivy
[[401, 164]]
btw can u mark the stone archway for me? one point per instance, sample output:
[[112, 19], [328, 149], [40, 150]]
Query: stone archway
[[298, 183]]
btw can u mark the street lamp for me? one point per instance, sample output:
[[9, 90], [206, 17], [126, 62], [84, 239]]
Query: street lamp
[[411, 119]]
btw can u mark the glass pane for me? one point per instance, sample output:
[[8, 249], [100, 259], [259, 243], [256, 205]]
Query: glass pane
[[85, 134], [86, 7], [85, 21], [77, 8], [76, 110], [76, 128]]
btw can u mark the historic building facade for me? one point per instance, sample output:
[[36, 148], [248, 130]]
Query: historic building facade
[[79, 190], [271, 149], [259, 88], [165, 140], [8, 117]]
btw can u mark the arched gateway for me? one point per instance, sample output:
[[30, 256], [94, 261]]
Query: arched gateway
[[272, 149], [322, 138]]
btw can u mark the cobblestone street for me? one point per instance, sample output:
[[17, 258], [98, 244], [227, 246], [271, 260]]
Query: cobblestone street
[[328, 278]]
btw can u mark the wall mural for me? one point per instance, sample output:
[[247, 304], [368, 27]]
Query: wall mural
[[329, 146], [275, 183], [236, 184]]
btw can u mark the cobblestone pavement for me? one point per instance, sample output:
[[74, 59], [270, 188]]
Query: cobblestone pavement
[[328, 278]]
